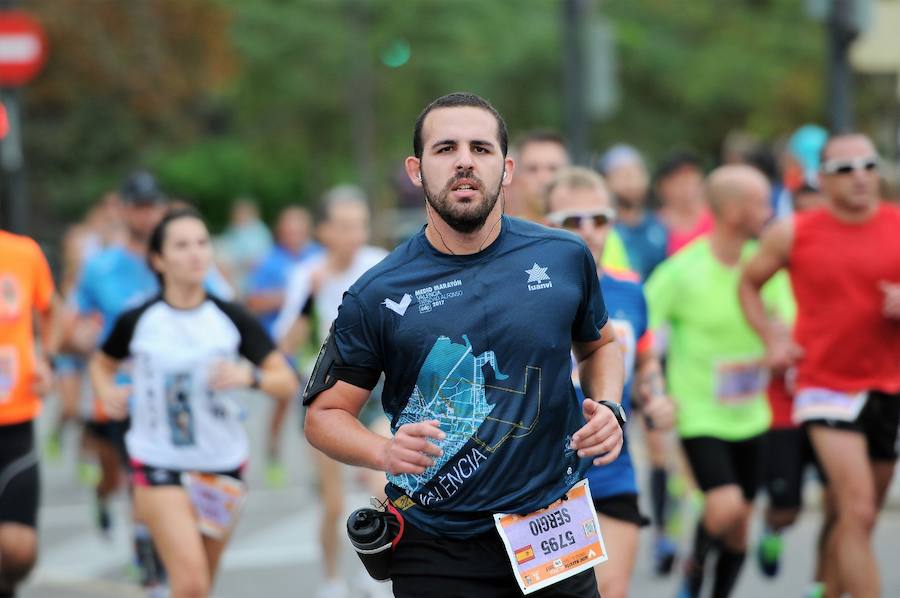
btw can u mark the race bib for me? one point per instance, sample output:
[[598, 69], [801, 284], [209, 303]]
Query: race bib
[[217, 501], [737, 382], [822, 403], [554, 543]]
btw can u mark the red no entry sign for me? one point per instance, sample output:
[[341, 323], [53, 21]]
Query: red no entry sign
[[22, 48]]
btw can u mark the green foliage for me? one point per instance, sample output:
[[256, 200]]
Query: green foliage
[[281, 99]]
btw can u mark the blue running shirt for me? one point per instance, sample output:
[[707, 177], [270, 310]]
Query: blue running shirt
[[111, 282], [628, 315], [117, 279], [482, 344]]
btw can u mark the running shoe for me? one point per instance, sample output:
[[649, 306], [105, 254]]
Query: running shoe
[[684, 591], [664, 552], [815, 590], [333, 588], [53, 446], [103, 518], [88, 474], [369, 588], [276, 475], [768, 553]]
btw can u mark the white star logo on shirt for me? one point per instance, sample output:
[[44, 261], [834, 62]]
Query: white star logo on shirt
[[537, 273]]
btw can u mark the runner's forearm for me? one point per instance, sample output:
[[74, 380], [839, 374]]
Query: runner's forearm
[[602, 373], [341, 436], [754, 310]]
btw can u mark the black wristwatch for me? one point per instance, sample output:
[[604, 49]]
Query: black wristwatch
[[617, 411]]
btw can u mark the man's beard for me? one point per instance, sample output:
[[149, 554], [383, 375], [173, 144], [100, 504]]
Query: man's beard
[[462, 218]]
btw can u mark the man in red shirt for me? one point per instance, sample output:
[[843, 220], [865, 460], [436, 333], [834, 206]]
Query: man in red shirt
[[844, 263], [25, 287]]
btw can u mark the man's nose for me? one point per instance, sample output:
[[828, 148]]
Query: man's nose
[[465, 159]]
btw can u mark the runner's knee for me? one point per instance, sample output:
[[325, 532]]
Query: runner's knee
[[612, 584], [190, 582], [725, 508], [18, 554], [860, 514]]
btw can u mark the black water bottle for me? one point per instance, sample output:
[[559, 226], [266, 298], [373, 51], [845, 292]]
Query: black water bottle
[[371, 535]]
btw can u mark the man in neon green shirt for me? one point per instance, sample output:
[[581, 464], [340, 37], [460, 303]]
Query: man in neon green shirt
[[716, 373]]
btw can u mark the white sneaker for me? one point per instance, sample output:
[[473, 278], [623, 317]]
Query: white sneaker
[[371, 588], [333, 588], [158, 591]]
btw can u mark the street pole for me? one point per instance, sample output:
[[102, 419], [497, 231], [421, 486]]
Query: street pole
[[12, 164], [12, 160], [841, 33], [576, 123]]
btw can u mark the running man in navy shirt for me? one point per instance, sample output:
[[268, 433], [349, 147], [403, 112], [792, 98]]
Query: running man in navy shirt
[[472, 322]]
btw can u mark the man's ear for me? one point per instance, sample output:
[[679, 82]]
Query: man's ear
[[509, 165], [414, 170]]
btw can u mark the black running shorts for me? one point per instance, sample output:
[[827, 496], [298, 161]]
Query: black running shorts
[[879, 422], [716, 462], [426, 565], [788, 456], [19, 476], [623, 507]]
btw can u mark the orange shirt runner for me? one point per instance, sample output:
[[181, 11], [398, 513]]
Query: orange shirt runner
[[25, 285]]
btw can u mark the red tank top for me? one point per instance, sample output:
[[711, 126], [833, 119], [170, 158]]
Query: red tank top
[[835, 271]]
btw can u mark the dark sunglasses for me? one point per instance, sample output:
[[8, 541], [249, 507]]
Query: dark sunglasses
[[575, 220], [847, 166]]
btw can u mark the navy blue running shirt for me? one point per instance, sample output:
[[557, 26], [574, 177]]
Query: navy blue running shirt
[[482, 344]]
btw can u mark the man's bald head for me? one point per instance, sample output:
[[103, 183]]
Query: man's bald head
[[739, 198], [733, 182]]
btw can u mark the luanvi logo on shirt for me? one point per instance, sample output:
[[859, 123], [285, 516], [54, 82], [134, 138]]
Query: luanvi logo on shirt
[[537, 276], [398, 308]]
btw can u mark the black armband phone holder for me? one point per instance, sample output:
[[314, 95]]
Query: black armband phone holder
[[330, 368]]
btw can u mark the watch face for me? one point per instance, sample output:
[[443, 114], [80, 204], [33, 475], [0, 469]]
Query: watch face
[[617, 410]]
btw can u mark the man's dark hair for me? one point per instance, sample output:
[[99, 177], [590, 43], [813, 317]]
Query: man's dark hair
[[675, 162], [538, 136], [458, 100]]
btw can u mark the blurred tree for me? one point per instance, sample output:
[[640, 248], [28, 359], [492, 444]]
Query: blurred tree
[[123, 79], [692, 71], [280, 99]]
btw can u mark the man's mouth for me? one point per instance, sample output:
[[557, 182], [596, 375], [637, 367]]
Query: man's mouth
[[464, 185]]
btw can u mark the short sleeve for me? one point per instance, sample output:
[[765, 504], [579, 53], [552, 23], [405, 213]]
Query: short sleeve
[[255, 344], [43, 281], [118, 343], [591, 316], [354, 337], [661, 292]]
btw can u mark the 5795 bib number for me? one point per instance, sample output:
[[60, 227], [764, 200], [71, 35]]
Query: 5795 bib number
[[553, 543]]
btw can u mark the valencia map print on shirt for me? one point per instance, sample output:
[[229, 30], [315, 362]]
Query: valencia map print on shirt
[[451, 389]]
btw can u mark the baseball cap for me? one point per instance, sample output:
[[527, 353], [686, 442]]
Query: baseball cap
[[141, 187], [619, 155]]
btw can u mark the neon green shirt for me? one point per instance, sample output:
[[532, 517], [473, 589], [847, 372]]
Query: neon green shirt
[[614, 256], [715, 371]]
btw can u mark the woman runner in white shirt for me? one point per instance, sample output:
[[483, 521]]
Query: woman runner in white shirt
[[191, 352]]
